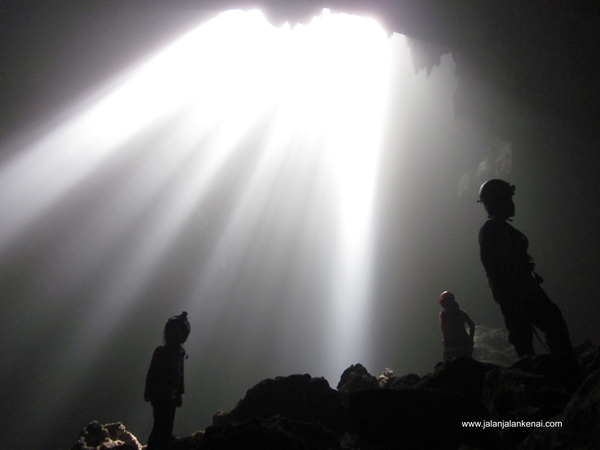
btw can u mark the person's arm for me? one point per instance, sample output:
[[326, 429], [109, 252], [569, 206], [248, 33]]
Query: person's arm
[[151, 375], [471, 326], [181, 384], [444, 325]]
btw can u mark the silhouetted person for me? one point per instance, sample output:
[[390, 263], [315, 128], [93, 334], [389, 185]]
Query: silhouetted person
[[511, 277], [164, 382], [452, 320]]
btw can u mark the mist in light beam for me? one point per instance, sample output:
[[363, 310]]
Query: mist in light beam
[[231, 175]]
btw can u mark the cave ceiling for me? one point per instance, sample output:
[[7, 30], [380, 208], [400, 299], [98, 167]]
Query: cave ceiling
[[543, 53]]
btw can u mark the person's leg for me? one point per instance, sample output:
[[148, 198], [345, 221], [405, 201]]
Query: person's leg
[[164, 418], [546, 316], [520, 330]]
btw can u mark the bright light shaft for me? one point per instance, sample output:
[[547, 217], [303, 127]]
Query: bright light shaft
[[328, 82], [183, 116], [356, 85]]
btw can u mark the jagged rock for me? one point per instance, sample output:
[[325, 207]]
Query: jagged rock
[[297, 397], [193, 442], [406, 381], [355, 378], [275, 433], [562, 372], [517, 395], [415, 418], [301, 412], [589, 357], [460, 375], [387, 378], [103, 437], [580, 420]]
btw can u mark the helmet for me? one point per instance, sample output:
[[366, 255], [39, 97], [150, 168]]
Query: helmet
[[446, 297], [495, 189], [180, 322]]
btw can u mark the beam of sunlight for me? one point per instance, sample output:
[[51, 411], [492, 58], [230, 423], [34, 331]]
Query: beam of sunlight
[[266, 140]]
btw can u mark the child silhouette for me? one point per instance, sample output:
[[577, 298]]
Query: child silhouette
[[164, 382]]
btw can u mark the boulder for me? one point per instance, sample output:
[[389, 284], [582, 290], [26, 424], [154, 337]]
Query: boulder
[[356, 378], [415, 418], [103, 437], [460, 375], [579, 422], [300, 398]]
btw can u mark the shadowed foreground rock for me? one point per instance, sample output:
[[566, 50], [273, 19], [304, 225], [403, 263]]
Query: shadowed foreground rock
[[300, 398], [391, 412], [581, 416]]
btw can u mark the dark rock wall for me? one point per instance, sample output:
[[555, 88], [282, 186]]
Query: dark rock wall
[[301, 412]]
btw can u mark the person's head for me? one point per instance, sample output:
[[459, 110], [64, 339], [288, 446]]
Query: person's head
[[496, 196], [447, 300], [177, 329]]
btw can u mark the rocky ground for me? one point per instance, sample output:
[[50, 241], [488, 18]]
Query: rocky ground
[[406, 412]]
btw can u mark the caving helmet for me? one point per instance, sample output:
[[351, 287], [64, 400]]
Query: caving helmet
[[178, 323], [446, 298], [495, 189]]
